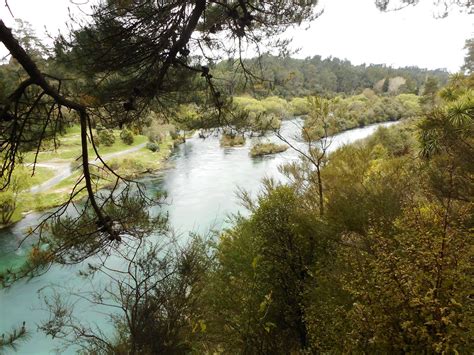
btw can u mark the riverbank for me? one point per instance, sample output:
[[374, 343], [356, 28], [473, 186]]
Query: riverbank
[[200, 186], [355, 112], [54, 179]]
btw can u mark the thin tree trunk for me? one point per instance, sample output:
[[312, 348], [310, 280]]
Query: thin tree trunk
[[320, 191]]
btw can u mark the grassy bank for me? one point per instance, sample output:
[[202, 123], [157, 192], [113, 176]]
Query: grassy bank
[[332, 116], [130, 165], [69, 147], [262, 149], [27, 180]]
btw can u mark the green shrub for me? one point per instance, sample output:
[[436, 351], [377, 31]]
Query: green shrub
[[174, 134], [126, 136], [153, 146], [299, 106], [132, 166], [276, 106], [267, 148], [157, 131], [154, 134], [228, 140], [105, 137]]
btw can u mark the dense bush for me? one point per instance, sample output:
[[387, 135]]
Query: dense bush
[[397, 141], [361, 110], [153, 146], [126, 136], [261, 115], [299, 106], [105, 136], [267, 106]]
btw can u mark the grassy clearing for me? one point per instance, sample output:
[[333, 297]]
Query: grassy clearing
[[142, 161], [131, 165], [69, 147], [261, 149], [41, 175], [119, 145]]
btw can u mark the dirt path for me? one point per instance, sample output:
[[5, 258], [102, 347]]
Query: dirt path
[[64, 170]]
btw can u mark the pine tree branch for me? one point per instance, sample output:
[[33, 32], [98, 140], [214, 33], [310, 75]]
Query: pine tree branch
[[39, 79]]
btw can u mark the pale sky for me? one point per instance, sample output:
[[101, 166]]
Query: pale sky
[[348, 29]]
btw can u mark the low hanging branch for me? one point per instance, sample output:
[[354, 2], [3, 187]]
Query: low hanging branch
[[151, 42], [39, 79], [31, 105], [37, 97]]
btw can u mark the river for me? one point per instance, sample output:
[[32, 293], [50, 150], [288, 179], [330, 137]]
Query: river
[[200, 185]]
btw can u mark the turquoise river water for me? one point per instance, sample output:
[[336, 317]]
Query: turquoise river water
[[200, 184]]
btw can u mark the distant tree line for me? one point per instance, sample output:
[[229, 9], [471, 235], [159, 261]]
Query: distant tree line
[[291, 77]]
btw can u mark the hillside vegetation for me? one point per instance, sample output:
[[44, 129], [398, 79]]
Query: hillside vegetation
[[291, 77]]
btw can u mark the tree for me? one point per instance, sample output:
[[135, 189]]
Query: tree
[[468, 66], [130, 55], [29, 41], [9, 196], [105, 136], [257, 291], [126, 136], [153, 295], [430, 89], [385, 85]]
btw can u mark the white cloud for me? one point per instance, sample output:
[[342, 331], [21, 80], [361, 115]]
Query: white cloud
[[350, 29], [356, 30]]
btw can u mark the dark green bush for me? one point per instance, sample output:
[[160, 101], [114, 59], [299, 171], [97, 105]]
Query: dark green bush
[[153, 146], [106, 137], [126, 136]]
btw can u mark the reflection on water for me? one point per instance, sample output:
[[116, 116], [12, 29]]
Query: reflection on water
[[200, 185]]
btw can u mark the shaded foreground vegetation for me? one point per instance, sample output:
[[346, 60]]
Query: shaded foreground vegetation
[[385, 269]]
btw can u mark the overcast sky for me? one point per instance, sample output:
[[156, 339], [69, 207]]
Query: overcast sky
[[348, 29]]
